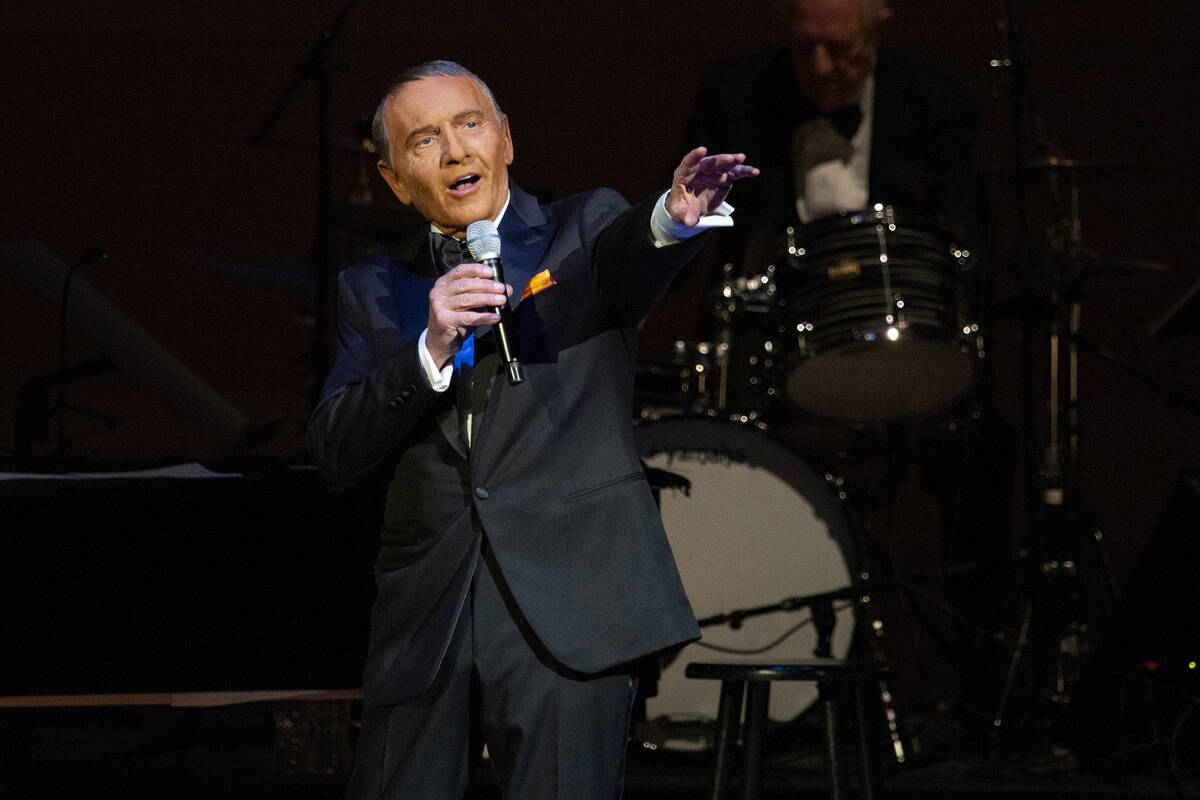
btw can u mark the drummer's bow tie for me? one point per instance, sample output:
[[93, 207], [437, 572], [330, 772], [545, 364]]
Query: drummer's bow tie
[[846, 119]]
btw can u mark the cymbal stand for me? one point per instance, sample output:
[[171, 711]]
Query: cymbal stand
[[1055, 621], [1009, 58]]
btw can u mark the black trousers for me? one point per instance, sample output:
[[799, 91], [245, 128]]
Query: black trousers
[[550, 733]]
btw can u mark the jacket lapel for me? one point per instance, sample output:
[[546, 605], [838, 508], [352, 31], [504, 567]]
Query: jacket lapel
[[414, 255], [525, 237]]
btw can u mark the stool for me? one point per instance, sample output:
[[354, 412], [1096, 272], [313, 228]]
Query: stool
[[832, 676]]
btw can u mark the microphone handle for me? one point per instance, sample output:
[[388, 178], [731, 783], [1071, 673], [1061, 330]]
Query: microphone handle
[[504, 343]]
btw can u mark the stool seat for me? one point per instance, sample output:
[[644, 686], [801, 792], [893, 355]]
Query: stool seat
[[813, 669], [753, 679]]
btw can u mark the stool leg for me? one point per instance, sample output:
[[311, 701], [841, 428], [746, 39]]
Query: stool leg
[[728, 715], [866, 745], [837, 770], [757, 696]]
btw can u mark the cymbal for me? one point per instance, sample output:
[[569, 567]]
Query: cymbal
[[1096, 263]]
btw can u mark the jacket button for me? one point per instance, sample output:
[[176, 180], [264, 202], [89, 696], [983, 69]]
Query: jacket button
[[481, 493]]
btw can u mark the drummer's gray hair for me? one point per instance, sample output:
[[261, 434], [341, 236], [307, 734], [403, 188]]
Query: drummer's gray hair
[[868, 11]]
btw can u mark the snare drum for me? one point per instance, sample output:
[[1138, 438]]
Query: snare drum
[[876, 304], [755, 526]]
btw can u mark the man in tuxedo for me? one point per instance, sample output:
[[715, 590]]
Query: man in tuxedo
[[523, 568], [835, 122]]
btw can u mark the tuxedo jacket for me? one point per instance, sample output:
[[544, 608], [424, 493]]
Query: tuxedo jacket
[[923, 127], [551, 479]]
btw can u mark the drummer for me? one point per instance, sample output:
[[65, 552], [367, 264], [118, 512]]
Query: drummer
[[835, 121]]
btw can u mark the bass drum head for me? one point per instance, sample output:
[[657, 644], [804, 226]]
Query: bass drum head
[[756, 527]]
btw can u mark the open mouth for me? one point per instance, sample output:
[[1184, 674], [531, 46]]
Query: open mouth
[[465, 182]]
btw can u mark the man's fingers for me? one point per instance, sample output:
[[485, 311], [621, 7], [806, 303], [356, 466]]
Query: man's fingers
[[493, 294], [689, 164], [693, 157], [469, 286]]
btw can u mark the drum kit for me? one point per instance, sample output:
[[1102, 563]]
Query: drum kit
[[863, 318], [868, 322]]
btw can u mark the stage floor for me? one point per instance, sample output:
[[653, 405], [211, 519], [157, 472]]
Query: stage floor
[[240, 752]]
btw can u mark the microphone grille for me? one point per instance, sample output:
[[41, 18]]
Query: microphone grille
[[483, 240]]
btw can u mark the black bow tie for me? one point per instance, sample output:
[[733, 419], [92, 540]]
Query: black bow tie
[[846, 119], [449, 252]]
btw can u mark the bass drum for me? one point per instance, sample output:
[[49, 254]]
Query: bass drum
[[752, 526]]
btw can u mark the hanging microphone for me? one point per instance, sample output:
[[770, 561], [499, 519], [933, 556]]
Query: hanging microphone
[[483, 240]]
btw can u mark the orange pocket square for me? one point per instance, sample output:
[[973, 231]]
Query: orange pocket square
[[543, 280]]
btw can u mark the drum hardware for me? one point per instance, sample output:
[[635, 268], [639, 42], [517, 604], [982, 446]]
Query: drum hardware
[[1055, 637], [732, 377], [738, 294], [724, 380], [1053, 606]]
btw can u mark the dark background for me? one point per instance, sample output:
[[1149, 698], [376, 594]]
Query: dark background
[[126, 125]]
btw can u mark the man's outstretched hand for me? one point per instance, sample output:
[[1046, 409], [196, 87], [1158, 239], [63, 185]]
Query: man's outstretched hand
[[701, 183]]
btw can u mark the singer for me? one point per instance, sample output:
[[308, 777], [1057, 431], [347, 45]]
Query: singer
[[523, 568]]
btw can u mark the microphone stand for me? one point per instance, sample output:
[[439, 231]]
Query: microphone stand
[[316, 66], [824, 618], [735, 618]]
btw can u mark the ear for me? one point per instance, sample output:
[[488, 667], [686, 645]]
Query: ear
[[394, 182], [508, 145]]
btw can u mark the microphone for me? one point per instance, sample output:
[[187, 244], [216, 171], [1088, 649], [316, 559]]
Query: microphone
[[483, 240]]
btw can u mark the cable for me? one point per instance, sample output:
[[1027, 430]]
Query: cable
[[759, 650]]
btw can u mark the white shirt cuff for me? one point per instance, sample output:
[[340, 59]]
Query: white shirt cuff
[[439, 379], [667, 231]]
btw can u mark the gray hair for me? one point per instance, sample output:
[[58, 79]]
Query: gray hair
[[868, 11], [430, 69]]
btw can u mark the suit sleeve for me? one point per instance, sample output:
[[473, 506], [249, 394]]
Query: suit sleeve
[[371, 403], [631, 271]]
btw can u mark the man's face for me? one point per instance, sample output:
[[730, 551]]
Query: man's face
[[832, 54], [450, 152]]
